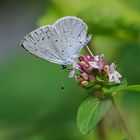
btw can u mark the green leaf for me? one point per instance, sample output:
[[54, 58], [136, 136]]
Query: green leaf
[[91, 112], [115, 88], [133, 88]]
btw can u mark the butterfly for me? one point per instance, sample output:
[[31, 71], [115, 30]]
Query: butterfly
[[59, 43]]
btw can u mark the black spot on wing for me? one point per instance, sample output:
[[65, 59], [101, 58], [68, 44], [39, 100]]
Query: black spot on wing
[[46, 31], [79, 35]]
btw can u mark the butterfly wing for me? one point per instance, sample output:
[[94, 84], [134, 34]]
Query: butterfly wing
[[39, 43], [71, 32], [59, 43]]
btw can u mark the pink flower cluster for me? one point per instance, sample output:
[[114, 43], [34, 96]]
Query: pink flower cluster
[[89, 67]]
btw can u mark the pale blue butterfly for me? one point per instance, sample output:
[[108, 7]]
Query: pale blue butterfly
[[59, 43]]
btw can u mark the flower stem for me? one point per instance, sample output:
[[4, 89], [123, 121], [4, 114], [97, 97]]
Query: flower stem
[[122, 123]]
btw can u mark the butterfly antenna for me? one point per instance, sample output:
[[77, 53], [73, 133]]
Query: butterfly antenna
[[89, 51]]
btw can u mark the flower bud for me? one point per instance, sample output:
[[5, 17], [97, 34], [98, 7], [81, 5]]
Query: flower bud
[[81, 58], [85, 58], [84, 75], [106, 68], [84, 65], [84, 83]]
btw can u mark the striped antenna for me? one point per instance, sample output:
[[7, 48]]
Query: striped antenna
[[89, 51]]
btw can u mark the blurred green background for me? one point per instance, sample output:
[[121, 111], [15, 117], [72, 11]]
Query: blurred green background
[[32, 104]]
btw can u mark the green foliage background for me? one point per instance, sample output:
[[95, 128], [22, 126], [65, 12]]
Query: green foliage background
[[32, 104]]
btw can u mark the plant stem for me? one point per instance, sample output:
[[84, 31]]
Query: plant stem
[[101, 131], [121, 120]]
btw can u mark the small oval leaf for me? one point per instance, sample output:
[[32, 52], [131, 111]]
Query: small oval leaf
[[91, 112]]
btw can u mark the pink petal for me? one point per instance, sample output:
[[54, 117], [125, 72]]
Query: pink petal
[[72, 73], [117, 74], [96, 58], [112, 68], [94, 64], [76, 66], [114, 77]]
